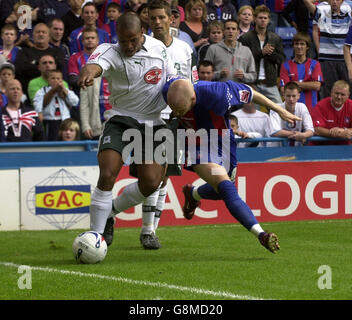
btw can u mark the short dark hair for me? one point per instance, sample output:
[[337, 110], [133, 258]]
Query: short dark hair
[[233, 117], [292, 86], [89, 29], [261, 9], [114, 5], [90, 4], [45, 55], [231, 20], [9, 26], [302, 36], [216, 24], [206, 63], [54, 71], [160, 4], [50, 23]]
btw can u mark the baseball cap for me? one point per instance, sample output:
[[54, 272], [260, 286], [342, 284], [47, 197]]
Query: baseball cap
[[7, 65], [175, 10]]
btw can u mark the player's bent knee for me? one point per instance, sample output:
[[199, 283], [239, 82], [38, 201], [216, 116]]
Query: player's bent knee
[[107, 179], [148, 186]]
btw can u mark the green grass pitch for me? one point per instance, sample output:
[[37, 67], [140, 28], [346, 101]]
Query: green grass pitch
[[212, 262]]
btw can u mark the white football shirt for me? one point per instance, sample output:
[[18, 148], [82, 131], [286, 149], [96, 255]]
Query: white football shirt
[[135, 82], [181, 56]]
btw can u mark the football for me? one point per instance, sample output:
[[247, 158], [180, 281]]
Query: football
[[89, 247]]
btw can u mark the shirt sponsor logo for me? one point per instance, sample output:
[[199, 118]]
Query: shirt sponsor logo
[[153, 76], [195, 74]]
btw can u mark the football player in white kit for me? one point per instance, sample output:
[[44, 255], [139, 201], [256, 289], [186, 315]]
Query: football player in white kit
[[182, 57], [136, 69]]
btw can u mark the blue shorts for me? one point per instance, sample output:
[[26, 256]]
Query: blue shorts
[[220, 151]]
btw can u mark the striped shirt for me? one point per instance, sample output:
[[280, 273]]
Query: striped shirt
[[333, 31], [75, 39], [310, 70]]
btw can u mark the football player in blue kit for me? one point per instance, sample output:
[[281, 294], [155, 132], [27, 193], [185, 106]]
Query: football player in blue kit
[[205, 105]]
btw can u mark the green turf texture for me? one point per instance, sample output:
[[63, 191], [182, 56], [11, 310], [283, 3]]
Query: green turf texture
[[212, 262]]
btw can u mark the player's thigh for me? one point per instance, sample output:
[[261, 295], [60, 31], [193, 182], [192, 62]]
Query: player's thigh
[[110, 150], [212, 173], [110, 163]]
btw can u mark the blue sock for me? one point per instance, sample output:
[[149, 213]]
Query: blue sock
[[237, 207], [206, 191]]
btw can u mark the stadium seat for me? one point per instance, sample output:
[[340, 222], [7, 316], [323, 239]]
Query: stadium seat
[[286, 34]]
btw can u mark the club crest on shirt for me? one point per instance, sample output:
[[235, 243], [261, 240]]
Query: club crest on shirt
[[153, 76], [244, 96]]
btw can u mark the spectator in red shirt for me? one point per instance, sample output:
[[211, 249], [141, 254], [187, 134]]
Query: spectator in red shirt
[[332, 116]]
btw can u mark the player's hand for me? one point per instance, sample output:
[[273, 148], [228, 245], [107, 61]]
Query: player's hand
[[288, 116], [87, 75], [85, 80]]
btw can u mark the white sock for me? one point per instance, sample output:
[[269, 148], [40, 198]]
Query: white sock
[[148, 211], [256, 229], [130, 197], [159, 206], [100, 208], [195, 194]]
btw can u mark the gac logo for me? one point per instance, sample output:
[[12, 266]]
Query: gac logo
[[62, 199], [153, 76]]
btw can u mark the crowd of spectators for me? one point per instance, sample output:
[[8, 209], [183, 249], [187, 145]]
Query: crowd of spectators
[[45, 43]]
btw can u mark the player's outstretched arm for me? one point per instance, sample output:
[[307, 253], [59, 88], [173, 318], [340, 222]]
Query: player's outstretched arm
[[87, 75], [283, 113]]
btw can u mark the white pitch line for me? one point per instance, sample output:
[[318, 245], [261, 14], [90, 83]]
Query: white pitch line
[[223, 294]]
